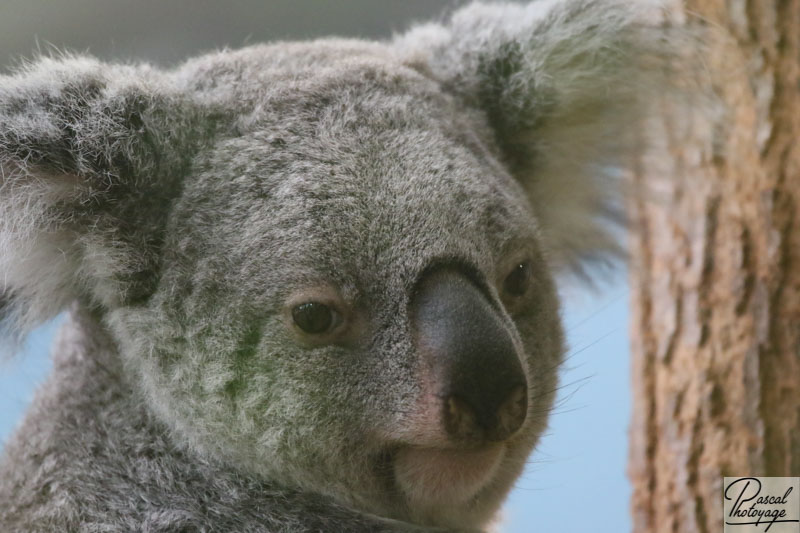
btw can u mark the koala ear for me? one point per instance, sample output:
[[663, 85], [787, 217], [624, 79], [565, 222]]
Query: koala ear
[[89, 155], [563, 84]]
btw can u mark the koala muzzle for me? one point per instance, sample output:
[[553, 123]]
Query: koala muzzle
[[468, 359]]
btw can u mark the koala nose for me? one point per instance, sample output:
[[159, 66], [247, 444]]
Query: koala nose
[[470, 357]]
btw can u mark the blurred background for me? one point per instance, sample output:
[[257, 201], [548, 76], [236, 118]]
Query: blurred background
[[575, 481]]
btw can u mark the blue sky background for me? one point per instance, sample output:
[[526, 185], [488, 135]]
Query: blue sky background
[[574, 482]]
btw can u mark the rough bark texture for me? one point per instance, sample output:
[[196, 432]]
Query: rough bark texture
[[716, 277]]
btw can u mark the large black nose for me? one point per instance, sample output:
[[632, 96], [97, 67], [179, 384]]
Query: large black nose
[[469, 355]]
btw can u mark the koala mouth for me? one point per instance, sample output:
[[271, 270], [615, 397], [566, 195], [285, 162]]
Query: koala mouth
[[445, 476]]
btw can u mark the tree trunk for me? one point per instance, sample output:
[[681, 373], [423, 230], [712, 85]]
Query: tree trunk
[[716, 280]]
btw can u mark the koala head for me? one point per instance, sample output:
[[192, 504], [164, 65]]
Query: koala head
[[330, 264]]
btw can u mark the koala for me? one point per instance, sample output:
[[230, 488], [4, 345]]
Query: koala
[[311, 285]]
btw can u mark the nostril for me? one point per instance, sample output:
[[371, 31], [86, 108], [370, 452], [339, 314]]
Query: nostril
[[511, 414], [463, 421], [460, 420]]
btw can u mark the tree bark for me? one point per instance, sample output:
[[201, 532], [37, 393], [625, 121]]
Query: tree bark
[[716, 279]]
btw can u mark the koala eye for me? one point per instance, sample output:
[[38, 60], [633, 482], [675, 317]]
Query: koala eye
[[313, 317], [517, 282]]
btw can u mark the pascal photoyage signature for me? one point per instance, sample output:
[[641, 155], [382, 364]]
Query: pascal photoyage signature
[[765, 509]]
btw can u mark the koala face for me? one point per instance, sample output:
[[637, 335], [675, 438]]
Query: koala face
[[354, 298], [330, 265]]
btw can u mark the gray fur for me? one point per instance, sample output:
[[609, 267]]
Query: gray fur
[[181, 209]]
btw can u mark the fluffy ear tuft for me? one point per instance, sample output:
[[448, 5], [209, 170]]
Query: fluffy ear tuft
[[89, 154], [564, 84]]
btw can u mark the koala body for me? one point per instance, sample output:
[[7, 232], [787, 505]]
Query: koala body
[[311, 284]]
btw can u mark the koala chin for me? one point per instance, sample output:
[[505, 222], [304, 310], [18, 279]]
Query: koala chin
[[311, 285]]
